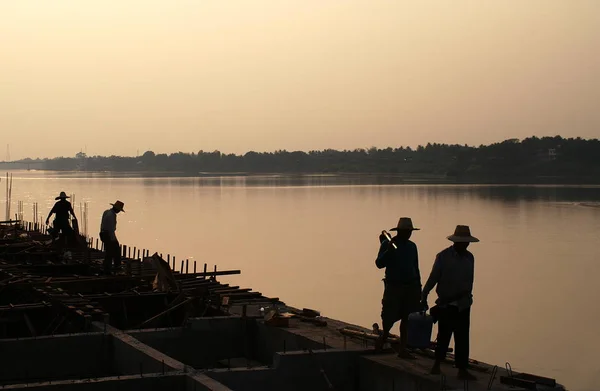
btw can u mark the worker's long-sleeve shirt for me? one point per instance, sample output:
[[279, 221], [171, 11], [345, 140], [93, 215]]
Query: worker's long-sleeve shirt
[[453, 273], [401, 264], [109, 223]]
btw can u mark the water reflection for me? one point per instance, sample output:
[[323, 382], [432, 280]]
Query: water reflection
[[312, 239], [562, 193], [512, 193]]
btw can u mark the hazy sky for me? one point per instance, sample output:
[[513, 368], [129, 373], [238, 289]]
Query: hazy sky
[[117, 76]]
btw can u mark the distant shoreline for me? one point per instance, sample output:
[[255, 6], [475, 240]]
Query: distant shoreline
[[396, 178], [546, 160]]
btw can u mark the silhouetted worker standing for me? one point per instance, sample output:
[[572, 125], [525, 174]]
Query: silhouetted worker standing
[[402, 282], [453, 272], [108, 226], [61, 210]]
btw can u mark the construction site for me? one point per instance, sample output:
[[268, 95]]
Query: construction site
[[166, 324]]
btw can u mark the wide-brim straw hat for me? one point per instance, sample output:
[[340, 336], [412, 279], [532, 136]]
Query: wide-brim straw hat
[[462, 234], [119, 205], [62, 195], [405, 223]]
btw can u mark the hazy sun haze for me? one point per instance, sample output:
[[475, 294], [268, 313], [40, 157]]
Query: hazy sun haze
[[119, 76]]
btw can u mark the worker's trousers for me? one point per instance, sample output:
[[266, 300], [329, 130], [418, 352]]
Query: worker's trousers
[[451, 321], [112, 251]]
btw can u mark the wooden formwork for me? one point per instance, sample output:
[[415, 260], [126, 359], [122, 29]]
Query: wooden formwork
[[47, 287]]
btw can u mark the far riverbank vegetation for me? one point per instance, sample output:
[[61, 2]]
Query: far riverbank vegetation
[[533, 159]]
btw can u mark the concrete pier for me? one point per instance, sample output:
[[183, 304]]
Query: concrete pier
[[65, 327], [220, 353]]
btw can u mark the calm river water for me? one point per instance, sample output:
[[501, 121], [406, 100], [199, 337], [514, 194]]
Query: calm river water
[[312, 241]]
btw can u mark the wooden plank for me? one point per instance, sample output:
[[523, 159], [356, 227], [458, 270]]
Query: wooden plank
[[210, 274], [231, 290], [239, 294], [513, 381], [545, 381], [257, 301]]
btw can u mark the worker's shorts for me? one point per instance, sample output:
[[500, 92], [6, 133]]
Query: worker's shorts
[[400, 300]]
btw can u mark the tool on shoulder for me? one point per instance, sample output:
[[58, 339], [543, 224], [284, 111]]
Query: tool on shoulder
[[389, 238]]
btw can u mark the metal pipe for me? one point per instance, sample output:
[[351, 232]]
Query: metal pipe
[[389, 238]]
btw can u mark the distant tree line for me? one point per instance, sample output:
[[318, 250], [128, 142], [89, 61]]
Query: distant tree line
[[512, 160]]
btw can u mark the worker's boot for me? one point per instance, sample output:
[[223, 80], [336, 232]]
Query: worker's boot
[[436, 370]]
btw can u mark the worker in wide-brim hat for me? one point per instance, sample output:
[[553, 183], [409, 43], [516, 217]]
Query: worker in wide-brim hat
[[402, 282], [118, 206], [62, 196], [453, 273], [61, 210], [108, 227]]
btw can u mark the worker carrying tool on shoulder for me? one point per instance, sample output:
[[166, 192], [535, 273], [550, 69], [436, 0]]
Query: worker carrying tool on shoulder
[[402, 293]]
